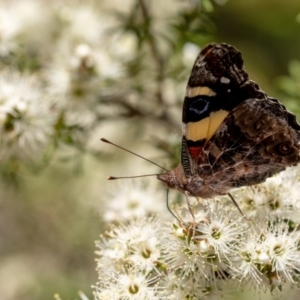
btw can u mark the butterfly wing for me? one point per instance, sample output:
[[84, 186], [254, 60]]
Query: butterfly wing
[[233, 133], [213, 90], [257, 139]]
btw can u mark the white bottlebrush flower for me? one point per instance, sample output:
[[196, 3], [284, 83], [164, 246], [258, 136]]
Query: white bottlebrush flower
[[211, 251], [74, 15], [208, 254], [72, 72], [270, 256], [10, 27], [220, 231], [289, 193], [206, 251], [18, 19], [248, 200], [146, 254], [76, 77], [277, 197], [127, 284], [129, 260], [282, 247], [73, 82], [98, 39], [137, 244], [84, 64], [132, 199], [177, 288], [93, 51], [251, 254], [27, 117], [105, 293]]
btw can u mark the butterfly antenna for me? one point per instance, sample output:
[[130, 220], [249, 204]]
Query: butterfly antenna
[[123, 177]]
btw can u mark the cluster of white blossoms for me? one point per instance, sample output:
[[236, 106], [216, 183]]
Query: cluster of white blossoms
[[57, 60], [60, 63], [133, 199], [86, 69], [129, 260], [83, 63], [26, 117], [277, 198], [208, 254]]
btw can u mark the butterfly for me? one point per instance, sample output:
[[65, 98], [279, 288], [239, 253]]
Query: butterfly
[[233, 134]]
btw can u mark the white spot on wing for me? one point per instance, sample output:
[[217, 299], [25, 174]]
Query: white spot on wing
[[225, 80]]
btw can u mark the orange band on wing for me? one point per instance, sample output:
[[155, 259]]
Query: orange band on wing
[[205, 128]]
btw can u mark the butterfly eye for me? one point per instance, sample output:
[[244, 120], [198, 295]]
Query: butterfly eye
[[284, 148], [172, 182]]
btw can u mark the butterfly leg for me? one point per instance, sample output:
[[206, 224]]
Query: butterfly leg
[[191, 212], [169, 208], [237, 206]]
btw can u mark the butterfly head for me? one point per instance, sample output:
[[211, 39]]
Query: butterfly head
[[174, 179]]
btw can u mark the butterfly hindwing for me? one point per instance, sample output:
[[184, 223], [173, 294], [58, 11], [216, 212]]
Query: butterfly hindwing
[[233, 134], [257, 139]]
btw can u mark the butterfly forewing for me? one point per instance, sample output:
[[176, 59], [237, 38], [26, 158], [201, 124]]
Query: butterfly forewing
[[213, 90]]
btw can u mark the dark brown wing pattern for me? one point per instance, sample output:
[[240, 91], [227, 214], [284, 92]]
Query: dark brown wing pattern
[[257, 139], [233, 133]]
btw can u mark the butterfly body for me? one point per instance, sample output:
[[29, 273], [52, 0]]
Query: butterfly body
[[233, 134], [194, 186]]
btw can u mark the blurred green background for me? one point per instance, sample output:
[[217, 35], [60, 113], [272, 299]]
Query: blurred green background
[[50, 216]]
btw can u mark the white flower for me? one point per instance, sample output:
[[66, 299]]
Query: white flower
[[220, 232], [85, 62], [146, 254], [273, 182], [128, 259], [270, 256], [136, 244], [75, 15], [190, 52], [282, 247], [18, 19], [27, 117], [77, 78], [206, 250], [111, 251], [131, 199], [276, 198], [185, 288], [100, 45], [105, 293], [127, 284], [247, 268], [10, 26]]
